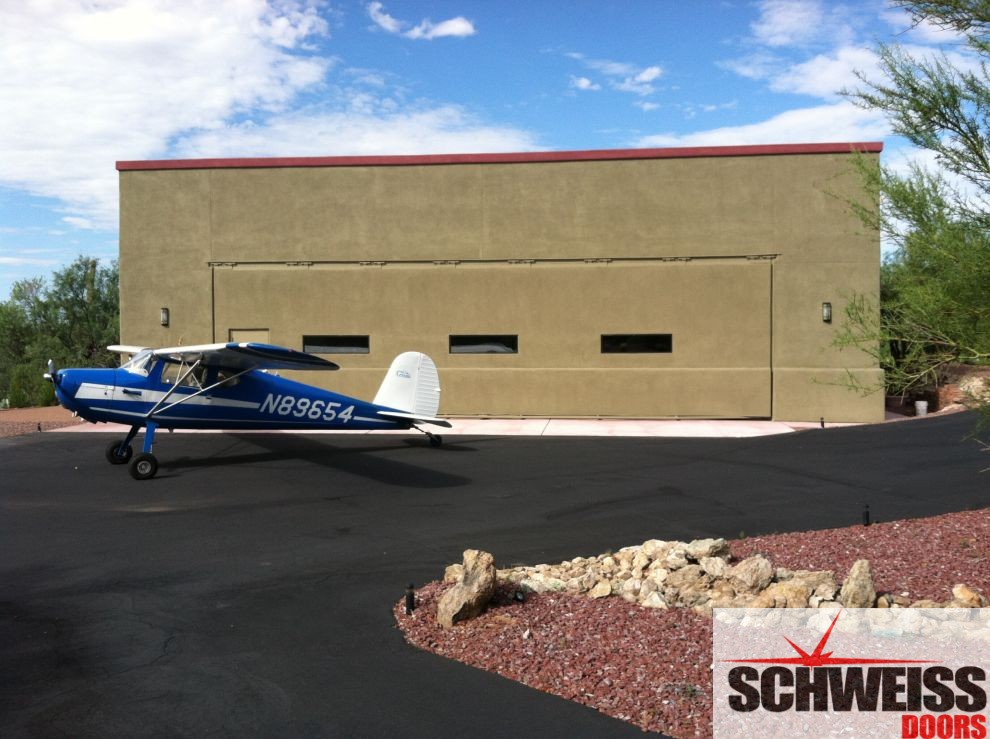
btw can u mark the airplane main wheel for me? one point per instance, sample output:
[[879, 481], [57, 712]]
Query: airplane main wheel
[[436, 440], [115, 457], [144, 466]]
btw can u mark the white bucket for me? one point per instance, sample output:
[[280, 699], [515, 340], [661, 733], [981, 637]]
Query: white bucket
[[921, 407]]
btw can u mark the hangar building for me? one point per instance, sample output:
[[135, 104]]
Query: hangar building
[[702, 282]]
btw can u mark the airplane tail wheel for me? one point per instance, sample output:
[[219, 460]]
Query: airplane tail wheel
[[114, 455], [144, 467]]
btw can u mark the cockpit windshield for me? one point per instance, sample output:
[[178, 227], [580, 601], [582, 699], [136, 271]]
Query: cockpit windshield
[[139, 363]]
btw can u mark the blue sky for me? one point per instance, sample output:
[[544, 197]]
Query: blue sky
[[84, 83]]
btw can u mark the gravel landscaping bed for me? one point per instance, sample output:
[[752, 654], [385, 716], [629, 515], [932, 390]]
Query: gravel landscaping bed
[[20, 421], [652, 667]]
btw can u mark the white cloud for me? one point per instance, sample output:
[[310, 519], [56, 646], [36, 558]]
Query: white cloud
[[606, 66], [713, 107], [622, 76], [458, 27], [920, 32], [639, 84], [583, 83], [824, 75], [27, 262], [80, 222], [837, 122], [756, 66], [788, 22], [382, 19], [86, 84], [645, 106], [805, 26], [446, 129]]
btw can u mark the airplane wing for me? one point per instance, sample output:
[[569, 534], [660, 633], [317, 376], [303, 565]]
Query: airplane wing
[[245, 355], [126, 348]]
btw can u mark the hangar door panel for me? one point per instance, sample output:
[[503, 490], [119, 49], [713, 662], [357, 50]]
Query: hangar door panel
[[715, 314]]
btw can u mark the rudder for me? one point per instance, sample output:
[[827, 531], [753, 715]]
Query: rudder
[[412, 385]]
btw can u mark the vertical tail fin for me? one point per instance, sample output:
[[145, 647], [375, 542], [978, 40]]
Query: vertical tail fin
[[411, 386]]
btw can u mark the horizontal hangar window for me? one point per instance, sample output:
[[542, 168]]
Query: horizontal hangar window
[[637, 344], [336, 344], [484, 344]]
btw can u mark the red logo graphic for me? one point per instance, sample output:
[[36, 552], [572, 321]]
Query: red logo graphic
[[821, 658]]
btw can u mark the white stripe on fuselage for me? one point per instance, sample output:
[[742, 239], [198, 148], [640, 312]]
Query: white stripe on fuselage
[[92, 391]]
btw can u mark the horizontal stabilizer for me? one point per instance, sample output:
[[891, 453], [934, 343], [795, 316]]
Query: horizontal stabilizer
[[417, 419]]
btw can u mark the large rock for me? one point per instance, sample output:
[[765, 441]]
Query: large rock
[[820, 583], [752, 575], [715, 566], [858, 591], [653, 548], [630, 589], [654, 600], [964, 596], [602, 589], [699, 549], [541, 582], [787, 594], [472, 592], [687, 586], [723, 595]]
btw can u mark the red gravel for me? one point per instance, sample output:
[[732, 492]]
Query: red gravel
[[652, 667], [923, 557], [19, 421]]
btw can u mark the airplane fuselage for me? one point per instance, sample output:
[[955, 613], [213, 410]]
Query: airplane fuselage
[[254, 400], [231, 386]]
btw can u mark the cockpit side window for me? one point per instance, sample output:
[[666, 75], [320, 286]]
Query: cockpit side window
[[229, 378], [173, 372], [139, 363]]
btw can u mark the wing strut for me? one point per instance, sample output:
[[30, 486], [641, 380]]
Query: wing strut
[[158, 407], [172, 389]]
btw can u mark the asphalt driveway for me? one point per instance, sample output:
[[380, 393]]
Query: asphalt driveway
[[246, 590]]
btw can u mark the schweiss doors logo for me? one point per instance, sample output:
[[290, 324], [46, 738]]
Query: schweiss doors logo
[[909, 673]]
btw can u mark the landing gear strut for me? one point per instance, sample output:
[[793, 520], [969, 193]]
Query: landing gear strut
[[145, 465], [435, 439], [119, 453]]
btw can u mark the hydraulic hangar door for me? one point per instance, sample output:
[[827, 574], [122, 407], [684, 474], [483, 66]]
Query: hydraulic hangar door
[[713, 314]]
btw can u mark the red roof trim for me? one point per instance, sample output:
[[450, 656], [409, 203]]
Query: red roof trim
[[871, 147]]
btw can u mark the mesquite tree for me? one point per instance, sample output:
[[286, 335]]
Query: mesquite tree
[[935, 289]]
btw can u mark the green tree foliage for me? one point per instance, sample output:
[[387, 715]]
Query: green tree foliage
[[71, 320], [935, 290], [934, 307]]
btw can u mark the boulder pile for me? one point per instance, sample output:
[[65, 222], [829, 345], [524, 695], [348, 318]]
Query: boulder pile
[[699, 575]]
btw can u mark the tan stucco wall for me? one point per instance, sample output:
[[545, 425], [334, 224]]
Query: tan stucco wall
[[731, 255]]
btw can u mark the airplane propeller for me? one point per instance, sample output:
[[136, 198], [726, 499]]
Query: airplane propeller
[[51, 375]]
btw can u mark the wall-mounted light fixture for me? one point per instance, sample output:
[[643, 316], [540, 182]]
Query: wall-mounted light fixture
[[164, 316], [827, 312]]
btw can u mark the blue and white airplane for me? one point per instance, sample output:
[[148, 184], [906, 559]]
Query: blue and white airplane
[[231, 386]]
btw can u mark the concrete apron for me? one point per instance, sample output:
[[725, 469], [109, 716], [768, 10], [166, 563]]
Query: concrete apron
[[551, 427]]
